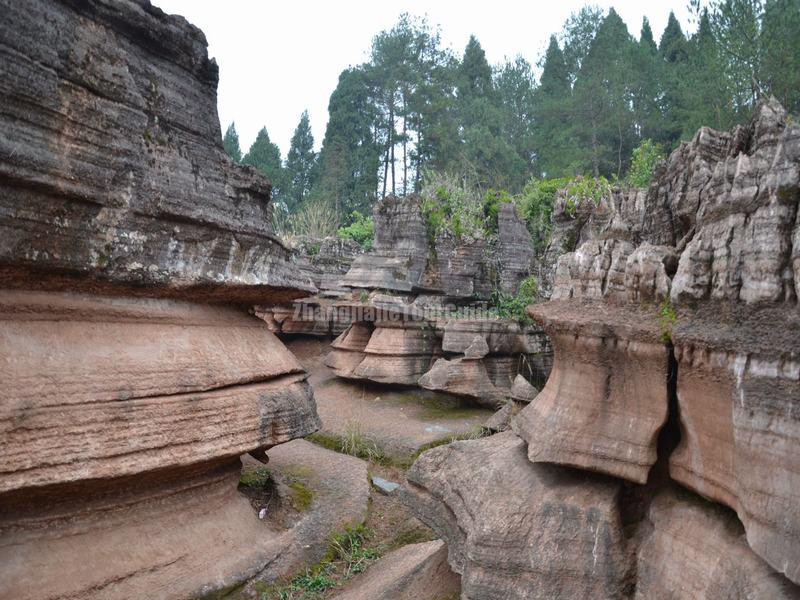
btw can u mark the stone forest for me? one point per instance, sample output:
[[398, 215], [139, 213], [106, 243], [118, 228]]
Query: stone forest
[[193, 406]]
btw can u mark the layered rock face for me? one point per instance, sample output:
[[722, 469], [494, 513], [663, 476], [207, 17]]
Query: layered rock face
[[518, 530], [474, 358], [125, 404], [676, 334], [405, 260]]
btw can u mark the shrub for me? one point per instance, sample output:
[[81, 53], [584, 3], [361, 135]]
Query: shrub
[[315, 219], [452, 204], [361, 230], [666, 321], [581, 189], [536, 206], [644, 159], [507, 306]]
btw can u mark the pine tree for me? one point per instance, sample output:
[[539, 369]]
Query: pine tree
[[231, 143], [300, 163], [349, 158], [780, 52], [266, 158], [604, 121], [552, 107]]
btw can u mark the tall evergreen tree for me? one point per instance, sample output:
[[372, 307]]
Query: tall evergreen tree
[[780, 51], [266, 158], [646, 78], [515, 87], [349, 158], [674, 51], [673, 46], [300, 163], [552, 111], [604, 120], [231, 143], [484, 150]]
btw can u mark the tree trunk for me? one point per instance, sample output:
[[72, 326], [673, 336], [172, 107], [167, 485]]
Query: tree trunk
[[405, 148], [391, 141]]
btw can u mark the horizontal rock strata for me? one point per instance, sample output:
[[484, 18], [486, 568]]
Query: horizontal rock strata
[[696, 550], [606, 398], [517, 530], [125, 403]]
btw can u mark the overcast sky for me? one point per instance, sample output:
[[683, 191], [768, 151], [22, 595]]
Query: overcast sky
[[277, 59]]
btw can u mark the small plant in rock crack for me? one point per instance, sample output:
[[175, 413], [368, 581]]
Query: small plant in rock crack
[[666, 321], [349, 548]]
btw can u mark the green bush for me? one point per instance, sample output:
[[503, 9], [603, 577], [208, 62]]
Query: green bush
[[581, 189], [507, 306], [535, 204], [361, 230], [644, 159], [452, 204]]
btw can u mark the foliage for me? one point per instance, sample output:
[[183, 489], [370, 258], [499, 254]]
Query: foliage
[[508, 306], [314, 219], [535, 203], [350, 549], [643, 162], [354, 443], [666, 321], [300, 163], [230, 142], [302, 497], [361, 230], [581, 189], [266, 158], [452, 204]]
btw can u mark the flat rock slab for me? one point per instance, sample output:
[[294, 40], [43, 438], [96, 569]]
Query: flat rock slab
[[339, 487], [413, 572], [400, 421]]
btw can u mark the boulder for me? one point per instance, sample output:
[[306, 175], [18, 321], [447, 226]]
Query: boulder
[[696, 550], [522, 390], [413, 572], [518, 530], [463, 377]]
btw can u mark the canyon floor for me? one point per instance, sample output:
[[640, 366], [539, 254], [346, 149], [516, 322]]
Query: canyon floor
[[369, 431]]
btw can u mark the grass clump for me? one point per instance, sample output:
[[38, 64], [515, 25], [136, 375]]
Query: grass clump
[[348, 554], [666, 321], [350, 551], [256, 479], [354, 443], [302, 497]]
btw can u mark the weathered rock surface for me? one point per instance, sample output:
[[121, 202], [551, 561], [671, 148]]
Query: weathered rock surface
[[404, 259], [696, 550], [463, 377], [738, 387], [413, 572], [715, 235], [112, 164], [399, 255], [515, 249], [123, 419], [338, 486], [124, 404], [606, 398], [519, 530]]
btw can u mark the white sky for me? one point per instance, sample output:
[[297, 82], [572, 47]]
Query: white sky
[[278, 58]]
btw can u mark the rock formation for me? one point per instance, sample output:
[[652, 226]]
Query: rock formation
[[674, 322], [125, 404]]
